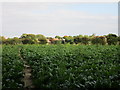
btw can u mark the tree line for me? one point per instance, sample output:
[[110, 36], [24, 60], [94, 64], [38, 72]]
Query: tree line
[[110, 39]]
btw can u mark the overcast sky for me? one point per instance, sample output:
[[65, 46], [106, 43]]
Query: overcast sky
[[51, 19]]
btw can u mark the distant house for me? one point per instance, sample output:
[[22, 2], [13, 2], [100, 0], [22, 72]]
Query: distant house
[[48, 41], [52, 40], [55, 39]]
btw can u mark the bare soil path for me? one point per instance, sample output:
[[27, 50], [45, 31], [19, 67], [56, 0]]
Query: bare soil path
[[27, 73]]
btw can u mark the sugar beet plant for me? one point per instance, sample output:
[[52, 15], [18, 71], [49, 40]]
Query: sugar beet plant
[[73, 66], [12, 67]]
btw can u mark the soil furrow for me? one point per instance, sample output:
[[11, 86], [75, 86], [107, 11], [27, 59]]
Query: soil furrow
[[27, 73]]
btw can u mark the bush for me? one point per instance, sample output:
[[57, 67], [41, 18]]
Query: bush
[[112, 39], [99, 40]]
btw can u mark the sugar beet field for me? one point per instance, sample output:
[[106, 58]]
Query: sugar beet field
[[61, 66]]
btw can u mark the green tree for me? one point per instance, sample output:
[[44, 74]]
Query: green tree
[[112, 39], [2, 40], [85, 40], [78, 39], [16, 40], [69, 39], [29, 39], [58, 37], [99, 40], [12, 41], [30, 36], [41, 38]]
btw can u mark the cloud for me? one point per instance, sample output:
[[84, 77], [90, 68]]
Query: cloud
[[49, 21]]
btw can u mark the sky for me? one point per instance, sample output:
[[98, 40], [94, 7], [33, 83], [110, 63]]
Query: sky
[[51, 19]]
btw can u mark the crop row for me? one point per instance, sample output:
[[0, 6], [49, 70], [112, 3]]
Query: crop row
[[73, 66], [12, 67]]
